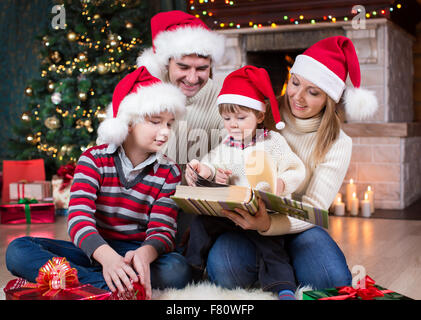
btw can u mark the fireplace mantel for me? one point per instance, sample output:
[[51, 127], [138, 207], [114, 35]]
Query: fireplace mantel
[[391, 129]]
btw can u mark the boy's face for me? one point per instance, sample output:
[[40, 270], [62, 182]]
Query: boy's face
[[241, 125], [189, 73], [151, 134]]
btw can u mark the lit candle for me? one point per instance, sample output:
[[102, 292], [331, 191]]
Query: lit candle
[[354, 205], [339, 206], [366, 206], [370, 194], [350, 189]]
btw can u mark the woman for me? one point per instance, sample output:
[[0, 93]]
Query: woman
[[313, 132]]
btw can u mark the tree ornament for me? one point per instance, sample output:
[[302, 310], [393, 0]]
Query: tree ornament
[[72, 36], [82, 56], [55, 56], [101, 115], [52, 123], [26, 116], [50, 86], [129, 25], [31, 138], [102, 68], [46, 41], [82, 96], [56, 98], [28, 91]]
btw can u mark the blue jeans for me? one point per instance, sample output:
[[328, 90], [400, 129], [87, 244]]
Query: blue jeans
[[316, 258], [24, 257]]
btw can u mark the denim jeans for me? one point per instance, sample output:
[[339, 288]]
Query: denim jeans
[[24, 257], [316, 258]]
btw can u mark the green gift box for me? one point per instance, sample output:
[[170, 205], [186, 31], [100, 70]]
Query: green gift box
[[370, 292]]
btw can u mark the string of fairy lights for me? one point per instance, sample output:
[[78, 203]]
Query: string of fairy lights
[[205, 8]]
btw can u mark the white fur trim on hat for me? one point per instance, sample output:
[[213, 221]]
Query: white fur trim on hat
[[146, 101], [320, 75], [360, 103], [242, 101], [189, 40], [151, 61]]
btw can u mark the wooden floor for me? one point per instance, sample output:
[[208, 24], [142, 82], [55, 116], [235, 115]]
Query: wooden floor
[[388, 250]]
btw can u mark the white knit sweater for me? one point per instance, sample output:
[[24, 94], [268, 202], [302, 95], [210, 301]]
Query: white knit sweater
[[289, 167], [322, 182]]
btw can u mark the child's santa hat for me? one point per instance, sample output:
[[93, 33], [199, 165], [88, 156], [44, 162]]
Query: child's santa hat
[[248, 87], [327, 64], [175, 34], [137, 95]]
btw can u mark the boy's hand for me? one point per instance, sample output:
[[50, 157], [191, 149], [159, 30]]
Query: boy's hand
[[222, 176], [280, 186], [116, 272], [141, 259], [201, 169]]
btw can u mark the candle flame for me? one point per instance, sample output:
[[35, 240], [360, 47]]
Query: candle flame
[[351, 181], [354, 195], [339, 199], [369, 188], [365, 196]]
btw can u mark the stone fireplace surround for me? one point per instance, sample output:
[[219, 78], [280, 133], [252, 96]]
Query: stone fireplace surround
[[387, 147]]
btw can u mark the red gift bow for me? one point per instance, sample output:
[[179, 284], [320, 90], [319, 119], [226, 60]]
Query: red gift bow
[[54, 276], [367, 292], [138, 293], [66, 172]]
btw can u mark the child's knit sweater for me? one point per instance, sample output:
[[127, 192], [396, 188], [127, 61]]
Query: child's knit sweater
[[104, 205]]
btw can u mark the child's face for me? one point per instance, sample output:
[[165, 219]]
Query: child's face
[[305, 99], [242, 124], [151, 134]]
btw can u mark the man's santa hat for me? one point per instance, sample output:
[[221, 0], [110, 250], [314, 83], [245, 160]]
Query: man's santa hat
[[327, 64], [248, 87], [137, 95], [175, 34]]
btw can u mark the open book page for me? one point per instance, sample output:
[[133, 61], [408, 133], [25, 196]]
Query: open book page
[[203, 182]]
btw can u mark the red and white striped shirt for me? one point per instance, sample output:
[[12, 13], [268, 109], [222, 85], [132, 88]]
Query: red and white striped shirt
[[104, 205]]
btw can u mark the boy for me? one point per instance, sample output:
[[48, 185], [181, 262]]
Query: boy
[[242, 107], [121, 221]]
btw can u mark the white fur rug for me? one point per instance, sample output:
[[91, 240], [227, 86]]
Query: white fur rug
[[209, 291]]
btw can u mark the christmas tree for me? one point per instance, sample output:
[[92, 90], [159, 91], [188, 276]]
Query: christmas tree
[[89, 46]]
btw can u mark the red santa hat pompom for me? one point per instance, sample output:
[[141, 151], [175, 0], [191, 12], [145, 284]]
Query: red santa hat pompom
[[176, 33], [137, 95], [249, 86], [327, 64]]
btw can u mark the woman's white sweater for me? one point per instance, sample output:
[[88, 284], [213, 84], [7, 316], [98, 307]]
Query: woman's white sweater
[[321, 182]]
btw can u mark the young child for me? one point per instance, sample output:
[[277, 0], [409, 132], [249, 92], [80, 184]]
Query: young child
[[242, 106], [121, 221]]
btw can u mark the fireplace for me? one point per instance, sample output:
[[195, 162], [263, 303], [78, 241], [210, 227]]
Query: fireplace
[[386, 147]]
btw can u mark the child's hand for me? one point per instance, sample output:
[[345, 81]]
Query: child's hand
[[141, 259], [200, 168], [222, 176], [280, 186], [116, 272]]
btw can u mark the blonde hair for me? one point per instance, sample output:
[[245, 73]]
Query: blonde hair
[[234, 108], [326, 134]]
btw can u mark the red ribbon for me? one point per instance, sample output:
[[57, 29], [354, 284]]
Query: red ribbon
[[365, 291], [66, 172], [54, 276]]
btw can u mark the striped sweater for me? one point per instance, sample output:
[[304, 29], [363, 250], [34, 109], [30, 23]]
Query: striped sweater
[[104, 205]]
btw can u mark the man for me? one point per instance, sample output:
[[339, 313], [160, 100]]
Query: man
[[183, 53]]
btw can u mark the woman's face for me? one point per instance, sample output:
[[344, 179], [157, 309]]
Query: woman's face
[[305, 99]]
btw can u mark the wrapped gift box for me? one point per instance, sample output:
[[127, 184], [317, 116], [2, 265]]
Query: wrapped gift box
[[42, 212], [19, 291], [370, 292], [61, 192], [38, 190]]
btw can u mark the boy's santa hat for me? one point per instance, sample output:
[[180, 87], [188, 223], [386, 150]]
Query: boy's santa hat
[[248, 87], [175, 34], [137, 95], [327, 64]]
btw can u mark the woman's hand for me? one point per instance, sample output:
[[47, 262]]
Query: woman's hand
[[117, 273], [222, 176], [260, 221], [141, 259]]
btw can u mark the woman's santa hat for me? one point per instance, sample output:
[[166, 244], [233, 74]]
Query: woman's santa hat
[[248, 87], [137, 95], [327, 64], [175, 34]]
